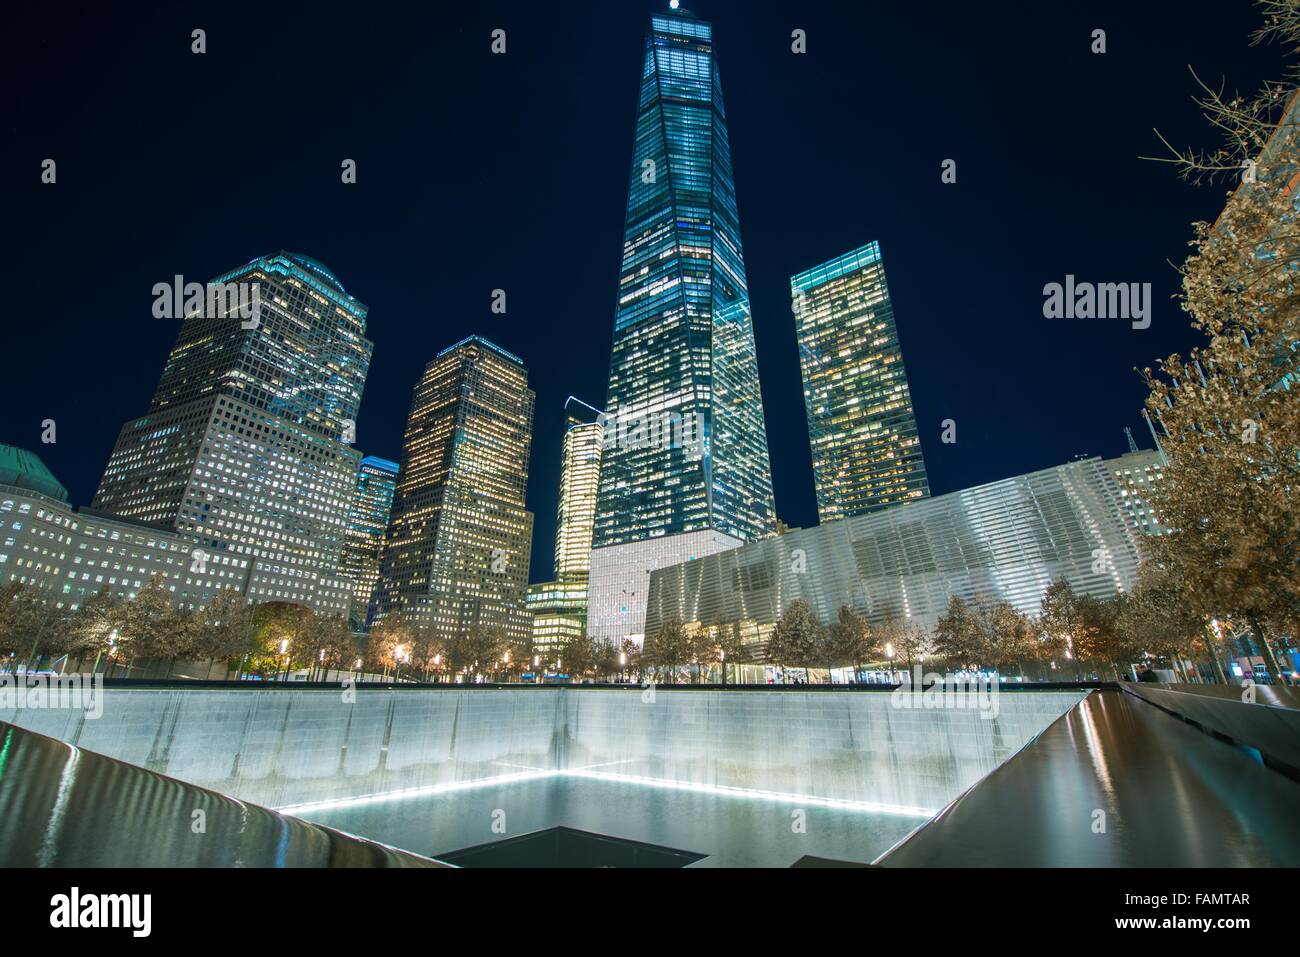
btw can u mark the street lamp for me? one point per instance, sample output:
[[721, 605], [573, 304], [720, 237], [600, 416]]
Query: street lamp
[[723, 669], [284, 650], [889, 653], [622, 663]]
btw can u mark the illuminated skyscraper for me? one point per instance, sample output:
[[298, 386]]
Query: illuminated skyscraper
[[865, 448], [372, 503], [1135, 473], [244, 443], [683, 342], [685, 467], [575, 517], [559, 608], [459, 539]]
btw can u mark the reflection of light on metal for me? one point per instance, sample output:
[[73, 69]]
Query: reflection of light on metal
[[1095, 751], [50, 843]]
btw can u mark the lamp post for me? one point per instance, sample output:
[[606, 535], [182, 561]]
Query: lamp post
[[889, 653], [284, 650], [622, 663], [723, 667]]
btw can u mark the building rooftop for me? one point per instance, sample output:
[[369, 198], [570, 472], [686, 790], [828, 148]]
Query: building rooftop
[[24, 469]]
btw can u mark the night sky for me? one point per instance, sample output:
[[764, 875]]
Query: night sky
[[478, 172]]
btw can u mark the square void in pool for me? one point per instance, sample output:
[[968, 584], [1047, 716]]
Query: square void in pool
[[567, 847]]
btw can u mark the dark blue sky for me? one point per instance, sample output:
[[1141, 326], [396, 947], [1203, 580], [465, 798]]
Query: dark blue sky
[[479, 172]]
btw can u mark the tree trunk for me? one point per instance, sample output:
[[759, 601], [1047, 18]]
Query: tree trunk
[[1269, 656], [1212, 644]]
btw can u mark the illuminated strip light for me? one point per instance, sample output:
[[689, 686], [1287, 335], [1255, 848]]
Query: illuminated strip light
[[865, 807], [871, 807], [404, 793]]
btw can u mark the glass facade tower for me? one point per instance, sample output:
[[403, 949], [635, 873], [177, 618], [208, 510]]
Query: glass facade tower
[[372, 503], [683, 359], [865, 448], [559, 607], [245, 444], [459, 540], [579, 482]]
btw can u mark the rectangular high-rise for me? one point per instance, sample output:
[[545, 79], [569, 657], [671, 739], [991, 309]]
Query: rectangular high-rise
[[372, 504], [245, 444], [559, 607], [685, 467], [866, 450], [575, 515], [459, 539]]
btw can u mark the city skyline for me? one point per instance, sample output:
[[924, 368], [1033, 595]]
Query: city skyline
[[1070, 411]]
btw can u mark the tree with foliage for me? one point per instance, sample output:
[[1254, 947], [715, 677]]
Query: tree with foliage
[[732, 648], [849, 641], [335, 647], [630, 662], [31, 626], [1102, 640], [956, 634], [477, 651], [279, 647], [429, 652], [93, 626], [577, 657], [1230, 410], [909, 642], [226, 629], [667, 650], [1158, 614], [797, 640], [985, 632]]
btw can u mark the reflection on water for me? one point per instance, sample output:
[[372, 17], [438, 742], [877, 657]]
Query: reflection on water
[[731, 830]]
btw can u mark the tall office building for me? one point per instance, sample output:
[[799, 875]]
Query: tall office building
[[559, 607], [685, 451], [244, 445], [865, 448], [575, 516], [372, 504], [1135, 473], [459, 540]]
